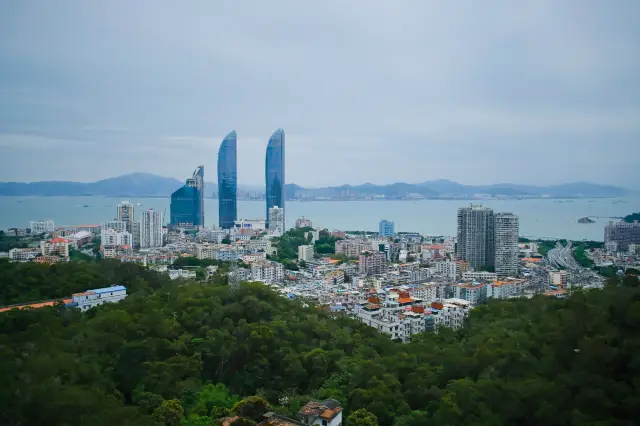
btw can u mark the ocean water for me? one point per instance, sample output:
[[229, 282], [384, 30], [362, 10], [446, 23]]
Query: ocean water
[[538, 218]]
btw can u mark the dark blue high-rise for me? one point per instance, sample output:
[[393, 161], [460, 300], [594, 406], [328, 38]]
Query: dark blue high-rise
[[274, 171], [187, 203], [227, 182]]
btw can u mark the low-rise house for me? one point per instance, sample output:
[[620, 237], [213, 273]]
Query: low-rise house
[[92, 298]]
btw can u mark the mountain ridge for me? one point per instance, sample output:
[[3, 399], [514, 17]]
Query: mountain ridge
[[147, 184]]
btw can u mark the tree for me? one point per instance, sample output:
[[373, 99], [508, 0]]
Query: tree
[[169, 413], [252, 407], [362, 417]]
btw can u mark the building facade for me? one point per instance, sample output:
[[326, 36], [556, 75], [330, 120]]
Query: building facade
[[227, 182], [303, 222], [372, 263], [476, 236], [386, 228], [150, 229], [42, 226], [622, 234], [274, 173], [305, 253], [276, 220], [506, 244], [187, 203], [112, 237], [126, 214], [92, 298]]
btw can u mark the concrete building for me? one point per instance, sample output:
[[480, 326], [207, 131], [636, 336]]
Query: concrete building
[[266, 271], [254, 224], [325, 413], [506, 244], [476, 236], [303, 222], [335, 277], [150, 229], [505, 289], [352, 248], [112, 237], [59, 246], [181, 273], [126, 214], [276, 220], [372, 263], [448, 269], [386, 228], [24, 254], [473, 292], [558, 278], [92, 298], [451, 312], [623, 234], [398, 315], [116, 225], [479, 276], [42, 226], [305, 253]]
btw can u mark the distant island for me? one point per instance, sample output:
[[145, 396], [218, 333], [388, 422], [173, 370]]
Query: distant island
[[632, 217], [586, 220], [149, 185]]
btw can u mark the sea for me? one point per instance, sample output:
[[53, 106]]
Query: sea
[[539, 218]]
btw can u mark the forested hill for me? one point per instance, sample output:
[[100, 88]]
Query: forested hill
[[186, 354]]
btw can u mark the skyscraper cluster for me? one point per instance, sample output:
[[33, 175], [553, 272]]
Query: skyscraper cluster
[[187, 203], [487, 240]]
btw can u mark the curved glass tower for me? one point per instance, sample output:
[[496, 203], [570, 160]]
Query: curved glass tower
[[227, 182], [187, 203], [274, 172]]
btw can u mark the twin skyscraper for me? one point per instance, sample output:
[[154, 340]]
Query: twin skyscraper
[[228, 177], [187, 203]]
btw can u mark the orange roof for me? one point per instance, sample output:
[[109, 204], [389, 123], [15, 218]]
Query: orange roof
[[554, 293], [532, 259], [36, 305], [59, 240], [405, 300]]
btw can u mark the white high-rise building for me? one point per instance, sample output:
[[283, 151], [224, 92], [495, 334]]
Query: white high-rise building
[[116, 225], [506, 243], [276, 220], [126, 214], [42, 226], [150, 229]]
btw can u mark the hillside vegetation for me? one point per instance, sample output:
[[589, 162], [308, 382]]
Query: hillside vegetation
[[176, 353]]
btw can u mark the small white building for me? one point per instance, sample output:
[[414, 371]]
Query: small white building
[[181, 273], [253, 224], [92, 298], [325, 413], [276, 221], [479, 276]]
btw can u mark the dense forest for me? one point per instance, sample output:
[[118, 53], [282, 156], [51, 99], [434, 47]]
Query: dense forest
[[178, 353]]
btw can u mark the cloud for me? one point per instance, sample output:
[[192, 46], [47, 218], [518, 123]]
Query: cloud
[[365, 90]]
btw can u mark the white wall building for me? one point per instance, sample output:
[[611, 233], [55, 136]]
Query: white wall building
[[473, 292], [452, 314], [42, 226], [181, 273], [116, 225], [276, 221], [126, 214], [92, 298], [268, 272], [253, 224], [59, 246], [479, 276], [305, 253], [112, 237], [303, 222], [448, 269], [150, 229], [23, 254]]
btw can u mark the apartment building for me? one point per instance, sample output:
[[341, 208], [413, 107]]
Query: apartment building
[[42, 226], [266, 271], [450, 312], [622, 234], [473, 292], [92, 298], [56, 246], [506, 244], [372, 263], [479, 276], [24, 254], [352, 248], [305, 253]]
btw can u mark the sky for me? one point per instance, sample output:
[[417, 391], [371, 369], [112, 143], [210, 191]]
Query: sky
[[539, 92]]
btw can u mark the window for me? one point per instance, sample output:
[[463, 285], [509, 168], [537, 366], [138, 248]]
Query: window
[[324, 423]]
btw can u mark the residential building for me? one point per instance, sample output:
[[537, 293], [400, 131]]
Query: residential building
[[473, 292], [42, 226], [335, 277], [4, 255], [506, 244], [505, 289], [116, 225], [450, 312], [276, 221], [111, 237], [187, 203], [59, 246], [92, 298], [303, 222], [448, 269], [24, 254], [136, 232], [352, 247], [623, 234], [227, 182], [372, 263], [126, 214], [476, 236], [267, 271], [479, 276], [305, 253], [558, 278], [325, 413], [254, 257], [150, 229], [386, 228], [274, 173], [398, 315]]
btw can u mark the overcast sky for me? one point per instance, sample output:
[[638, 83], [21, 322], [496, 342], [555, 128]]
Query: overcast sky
[[366, 91]]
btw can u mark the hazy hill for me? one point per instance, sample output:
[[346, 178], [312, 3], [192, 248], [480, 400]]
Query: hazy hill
[[145, 184]]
